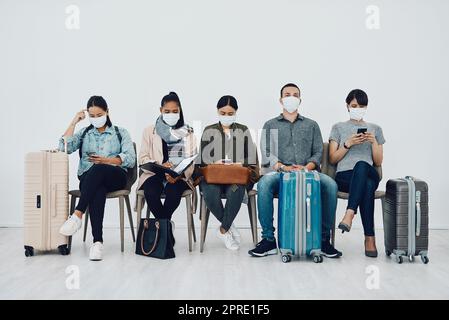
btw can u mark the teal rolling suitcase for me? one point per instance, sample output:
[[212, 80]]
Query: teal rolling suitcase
[[299, 215]]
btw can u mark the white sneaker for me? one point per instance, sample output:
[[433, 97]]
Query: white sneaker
[[235, 234], [96, 251], [228, 240], [71, 226]]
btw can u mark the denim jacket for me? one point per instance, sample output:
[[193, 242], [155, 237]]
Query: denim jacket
[[105, 144]]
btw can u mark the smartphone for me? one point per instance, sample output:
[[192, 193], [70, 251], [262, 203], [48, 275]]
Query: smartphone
[[90, 154], [361, 130]]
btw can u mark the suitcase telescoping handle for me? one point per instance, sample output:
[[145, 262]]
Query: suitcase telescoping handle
[[418, 208], [418, 213], [308, 209], [308, 213]]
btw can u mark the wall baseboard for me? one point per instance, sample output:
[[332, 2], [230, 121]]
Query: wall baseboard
[[184, 226]]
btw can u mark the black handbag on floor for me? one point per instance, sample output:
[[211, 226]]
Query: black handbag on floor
[[155, 239]]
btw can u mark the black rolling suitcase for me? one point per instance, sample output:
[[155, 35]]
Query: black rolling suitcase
[[406, 219]]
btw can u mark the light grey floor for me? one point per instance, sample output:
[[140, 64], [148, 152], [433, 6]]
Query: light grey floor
[[219, 273]]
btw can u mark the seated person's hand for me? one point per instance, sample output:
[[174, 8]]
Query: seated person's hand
[[167, 164], [297, 167], [370, 137], [355, 139], [96, 159], [172, 180], [289, 168]]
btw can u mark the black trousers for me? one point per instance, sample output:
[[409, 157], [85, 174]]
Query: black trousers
[[94, 184], [153, 188], [361, 184]]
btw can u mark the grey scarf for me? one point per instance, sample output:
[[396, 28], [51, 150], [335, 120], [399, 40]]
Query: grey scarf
[[173, 137]]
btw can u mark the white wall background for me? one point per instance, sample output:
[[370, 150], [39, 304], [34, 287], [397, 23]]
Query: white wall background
[[134, 52]]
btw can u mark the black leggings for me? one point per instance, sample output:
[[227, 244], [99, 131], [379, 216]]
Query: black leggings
[[94, 184], [153, 188]]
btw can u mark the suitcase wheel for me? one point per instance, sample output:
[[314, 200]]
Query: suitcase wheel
[[63, 250], [425, 259], [29, 251], [399, 259], [286, 258], [317, 259], [388, 252], [411, 258]]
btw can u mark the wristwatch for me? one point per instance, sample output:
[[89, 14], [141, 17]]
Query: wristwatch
[[281, 168], [344, 145]]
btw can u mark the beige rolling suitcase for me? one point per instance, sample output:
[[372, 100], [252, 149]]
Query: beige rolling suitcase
[[46, 201]]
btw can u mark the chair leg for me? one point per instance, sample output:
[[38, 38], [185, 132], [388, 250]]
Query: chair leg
[[72, 209], [130, 217], [86, 222], [250, 215], [189, 222], [139, 212], [203, 213], [333, 232], [122, 223], [193, 227], [254, 219], [207, 222], [72, 204], [190, 215], [383, 210]]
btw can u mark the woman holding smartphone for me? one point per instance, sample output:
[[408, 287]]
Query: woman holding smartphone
[[106, 153], [167, 142], [355, 146], [227, 142]]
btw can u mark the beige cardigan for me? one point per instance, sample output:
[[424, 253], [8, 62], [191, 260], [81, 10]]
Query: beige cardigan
[[151, 150]]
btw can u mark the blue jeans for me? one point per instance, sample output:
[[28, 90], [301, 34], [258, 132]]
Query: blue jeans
[[234, 196], [268, 186], [361, 184]]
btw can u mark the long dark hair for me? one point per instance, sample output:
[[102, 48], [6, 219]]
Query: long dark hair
[[227, 101], [173, 97], [98, 101]]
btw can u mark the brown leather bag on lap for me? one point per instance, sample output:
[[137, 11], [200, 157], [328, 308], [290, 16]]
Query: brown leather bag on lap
[[226, 174]]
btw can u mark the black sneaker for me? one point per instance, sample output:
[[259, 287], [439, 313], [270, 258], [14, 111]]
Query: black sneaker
[[264, 248], [329, 251]]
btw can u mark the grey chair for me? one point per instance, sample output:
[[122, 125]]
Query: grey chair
[[252, 212], [330, 170], [123, 197], [187, 195]]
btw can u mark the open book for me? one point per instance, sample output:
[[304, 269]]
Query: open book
[[174, 172]]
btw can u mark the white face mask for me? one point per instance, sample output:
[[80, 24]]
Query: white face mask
[[291, 103], [170, 118], [357, 113], [98, 122], [227, 120]]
